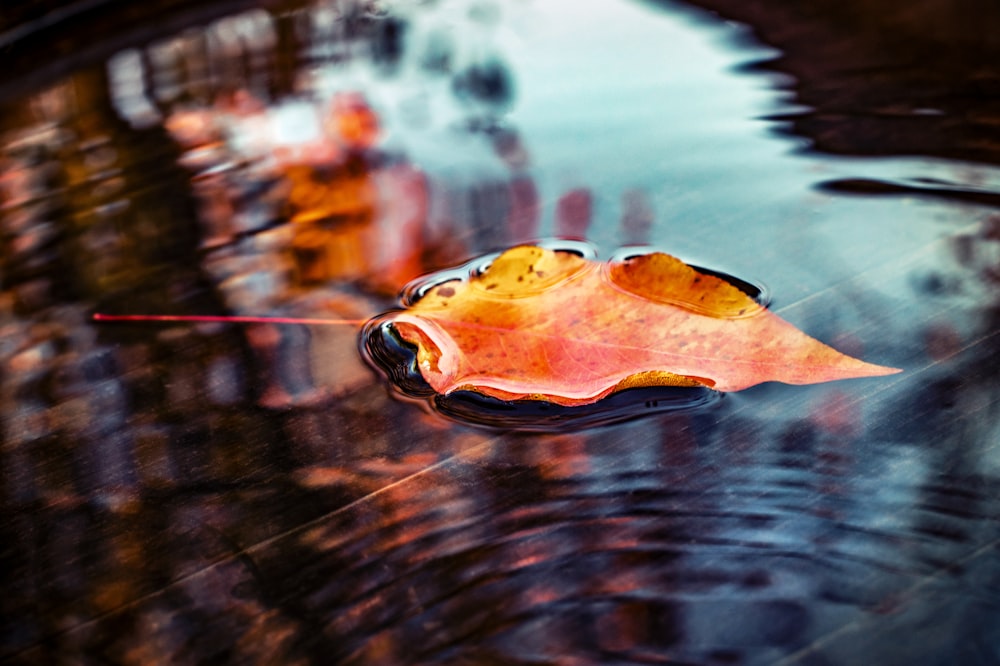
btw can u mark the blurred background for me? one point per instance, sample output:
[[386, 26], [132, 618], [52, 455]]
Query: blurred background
[[255, 493]]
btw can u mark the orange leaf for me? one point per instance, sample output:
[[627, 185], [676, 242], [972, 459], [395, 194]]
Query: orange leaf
[[548, 325]]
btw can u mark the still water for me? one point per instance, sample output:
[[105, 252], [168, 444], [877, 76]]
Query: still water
[[254, 493]]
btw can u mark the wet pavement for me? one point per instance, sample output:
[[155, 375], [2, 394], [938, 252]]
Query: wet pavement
[[255, 493]]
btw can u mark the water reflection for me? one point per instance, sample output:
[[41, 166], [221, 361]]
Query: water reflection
[[252, 493], [674, 540]]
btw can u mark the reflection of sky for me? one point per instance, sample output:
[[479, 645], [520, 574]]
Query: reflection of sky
[[649, 103], [626, 96]]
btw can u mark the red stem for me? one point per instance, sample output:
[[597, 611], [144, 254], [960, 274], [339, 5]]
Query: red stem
[[228, 319]]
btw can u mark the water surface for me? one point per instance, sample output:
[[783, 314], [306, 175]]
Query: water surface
[[255, 494]]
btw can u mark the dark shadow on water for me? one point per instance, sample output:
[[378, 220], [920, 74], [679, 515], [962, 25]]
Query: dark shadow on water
[[870, 187], [539, 416], [885, 78]]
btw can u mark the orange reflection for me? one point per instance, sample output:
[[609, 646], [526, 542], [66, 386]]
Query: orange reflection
[[354, 122], [356, 217], [331, 210]]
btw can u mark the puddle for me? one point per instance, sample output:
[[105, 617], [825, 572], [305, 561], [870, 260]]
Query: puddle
[[195, 492]]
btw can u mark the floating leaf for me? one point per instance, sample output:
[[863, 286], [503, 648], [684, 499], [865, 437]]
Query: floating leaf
[[553, 326]]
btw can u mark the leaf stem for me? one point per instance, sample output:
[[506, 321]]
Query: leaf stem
[[206, 319]]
